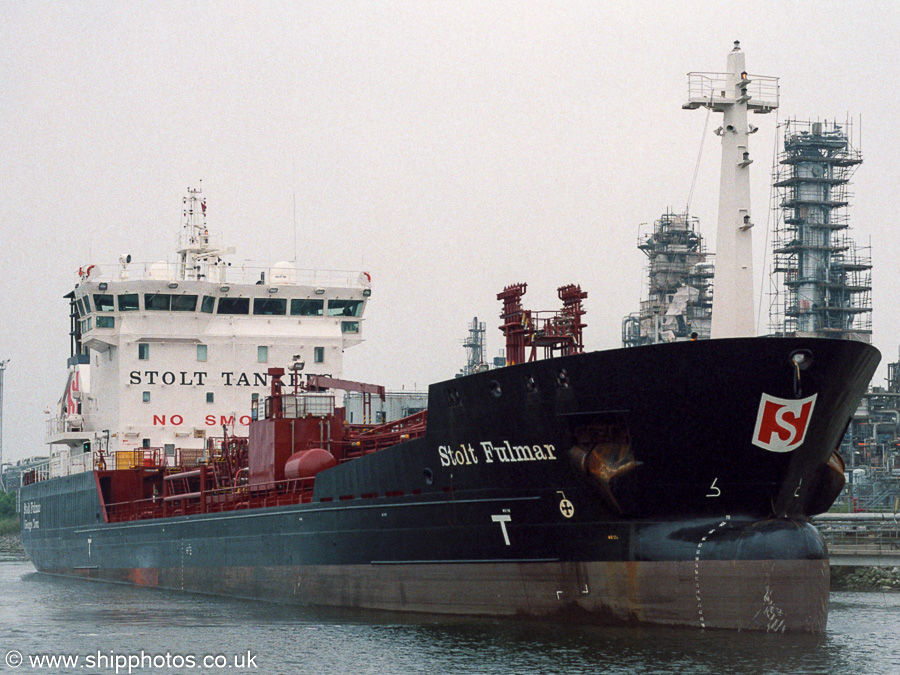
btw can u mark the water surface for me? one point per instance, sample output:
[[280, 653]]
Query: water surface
[[55, 616]]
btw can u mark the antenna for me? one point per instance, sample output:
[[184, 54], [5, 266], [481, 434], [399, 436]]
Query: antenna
[[197, 259], [294, 181]]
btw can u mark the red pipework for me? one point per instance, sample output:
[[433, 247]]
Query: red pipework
[[276, 385], [515, 322], [571, 314], [560, 331]]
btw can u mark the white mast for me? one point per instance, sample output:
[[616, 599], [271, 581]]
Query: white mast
[[731, 93], [196, 255]]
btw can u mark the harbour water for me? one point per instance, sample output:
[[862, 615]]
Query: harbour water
[[121, 629]]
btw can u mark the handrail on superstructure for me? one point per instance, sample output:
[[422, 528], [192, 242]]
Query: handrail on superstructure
[[711, 89], [248, 272]]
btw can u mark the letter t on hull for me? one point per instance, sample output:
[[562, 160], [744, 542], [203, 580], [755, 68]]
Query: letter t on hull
[[733, 93]]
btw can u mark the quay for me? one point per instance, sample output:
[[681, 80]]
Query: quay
[[861, 539]]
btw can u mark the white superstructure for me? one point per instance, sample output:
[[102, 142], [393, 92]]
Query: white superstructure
[[165, 355], [733, 93]]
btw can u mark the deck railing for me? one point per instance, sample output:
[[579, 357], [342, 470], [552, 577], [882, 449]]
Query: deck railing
[[276, 493], [243, 272]]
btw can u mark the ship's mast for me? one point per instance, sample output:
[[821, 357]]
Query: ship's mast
[[733, 93], [195, 254]]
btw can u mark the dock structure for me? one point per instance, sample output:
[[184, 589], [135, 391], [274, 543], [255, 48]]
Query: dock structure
[[861, 539]]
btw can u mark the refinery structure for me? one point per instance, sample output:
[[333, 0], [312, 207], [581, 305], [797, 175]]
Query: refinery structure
[[821, 285], [871, 449], [680, 273], [821, 280]]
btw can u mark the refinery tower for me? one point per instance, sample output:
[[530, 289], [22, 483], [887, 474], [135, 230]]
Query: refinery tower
[[821, 281], [679, 269]]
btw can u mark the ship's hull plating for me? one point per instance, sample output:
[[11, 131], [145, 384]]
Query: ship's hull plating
[[717, 588], [611, 487], [774, 596]]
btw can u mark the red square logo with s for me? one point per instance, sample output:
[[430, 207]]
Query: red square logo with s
[[781, 423]]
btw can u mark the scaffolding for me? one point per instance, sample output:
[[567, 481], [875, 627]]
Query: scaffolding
[[821, 280], [893, 378], [474, 345], [680, 278]]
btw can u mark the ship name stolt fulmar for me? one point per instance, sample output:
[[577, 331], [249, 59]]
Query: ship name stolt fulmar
[[666, 484]]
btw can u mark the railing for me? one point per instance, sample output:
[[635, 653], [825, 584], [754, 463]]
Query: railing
[[245, 272], [713, 88], [861, 538], [56, 425], [36, 474], [277, 493], [295, 406], [149, 458], [67, 466], [364, 439], [71, 463], [63, 464]]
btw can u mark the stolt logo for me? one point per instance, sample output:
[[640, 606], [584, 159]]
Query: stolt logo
[[781, 423]]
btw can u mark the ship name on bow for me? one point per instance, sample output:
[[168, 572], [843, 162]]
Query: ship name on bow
[[489, 452], [31, 512]]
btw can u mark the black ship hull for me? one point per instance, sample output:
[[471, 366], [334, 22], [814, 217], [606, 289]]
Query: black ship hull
[[669, 484]]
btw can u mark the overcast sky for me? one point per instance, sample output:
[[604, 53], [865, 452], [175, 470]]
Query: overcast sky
[[449, 148]]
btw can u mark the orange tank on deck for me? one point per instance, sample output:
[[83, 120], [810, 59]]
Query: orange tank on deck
[[274, 441], [307, 463]]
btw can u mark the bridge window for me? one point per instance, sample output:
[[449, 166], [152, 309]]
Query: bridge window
[[302, 307], [349, 326], [128, 302], [160, 302], [234, 306], [106, 322], [184, 303], [104, 302], [87, 304], [209, 302], [80, 307], [345, 307], [270, 306]]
